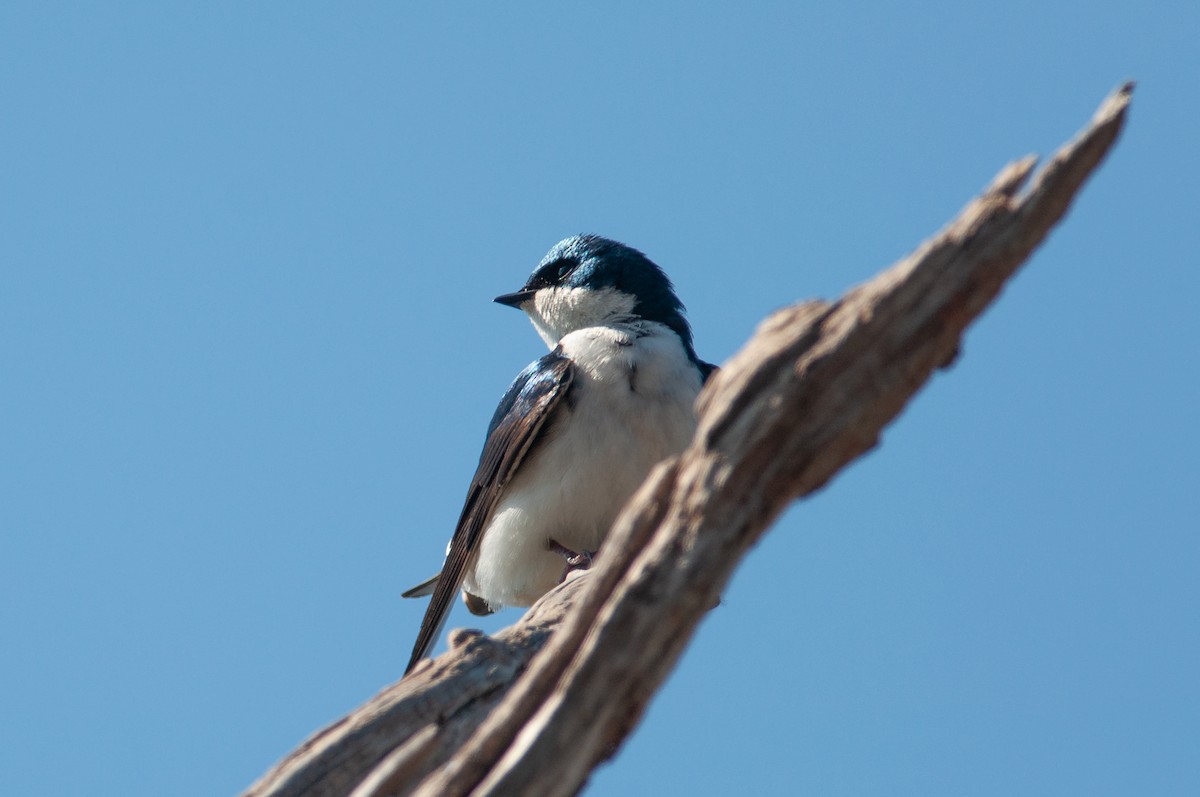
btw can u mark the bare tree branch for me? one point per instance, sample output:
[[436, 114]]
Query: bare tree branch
[[809, 393]]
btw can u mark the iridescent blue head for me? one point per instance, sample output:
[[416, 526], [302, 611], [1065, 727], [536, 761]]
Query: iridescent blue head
[[587, 280]]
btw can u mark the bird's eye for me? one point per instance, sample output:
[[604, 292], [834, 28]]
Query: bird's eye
[[552, 273]]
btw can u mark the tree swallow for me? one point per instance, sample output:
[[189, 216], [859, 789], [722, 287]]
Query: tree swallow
[[576, 433]]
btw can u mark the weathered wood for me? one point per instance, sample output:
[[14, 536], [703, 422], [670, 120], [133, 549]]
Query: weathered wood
[[451, 694], [809, 393]]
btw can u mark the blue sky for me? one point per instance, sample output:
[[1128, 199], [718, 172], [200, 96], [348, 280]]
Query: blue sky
[[247, 253]]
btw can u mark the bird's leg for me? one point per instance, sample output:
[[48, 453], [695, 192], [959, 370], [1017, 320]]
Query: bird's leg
[[576, 560]]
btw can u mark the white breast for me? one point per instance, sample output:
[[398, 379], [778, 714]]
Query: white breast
[[630, 406]]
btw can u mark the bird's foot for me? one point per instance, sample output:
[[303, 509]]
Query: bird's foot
[[576, 560]]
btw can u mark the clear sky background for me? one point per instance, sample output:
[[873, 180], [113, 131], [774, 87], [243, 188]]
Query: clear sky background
[[248, 353]]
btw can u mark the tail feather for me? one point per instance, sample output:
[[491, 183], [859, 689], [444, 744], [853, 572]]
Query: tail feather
[[421, 590]]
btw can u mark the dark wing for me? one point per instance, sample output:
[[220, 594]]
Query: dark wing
[[523, 413]]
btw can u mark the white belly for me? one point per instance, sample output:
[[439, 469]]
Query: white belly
[[630, 406]]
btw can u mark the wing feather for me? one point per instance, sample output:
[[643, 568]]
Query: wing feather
[[523, 415]]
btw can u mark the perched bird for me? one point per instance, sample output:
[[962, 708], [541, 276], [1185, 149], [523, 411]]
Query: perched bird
[[576, 433]]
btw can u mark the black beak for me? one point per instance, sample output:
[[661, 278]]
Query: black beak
[[515, 299]]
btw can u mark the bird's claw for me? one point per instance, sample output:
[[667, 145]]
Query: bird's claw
[[576, 560]]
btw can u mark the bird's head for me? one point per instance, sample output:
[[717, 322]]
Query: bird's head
[[587, 280]]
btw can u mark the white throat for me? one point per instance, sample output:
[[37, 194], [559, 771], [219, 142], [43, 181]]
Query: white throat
[[557, 312]]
